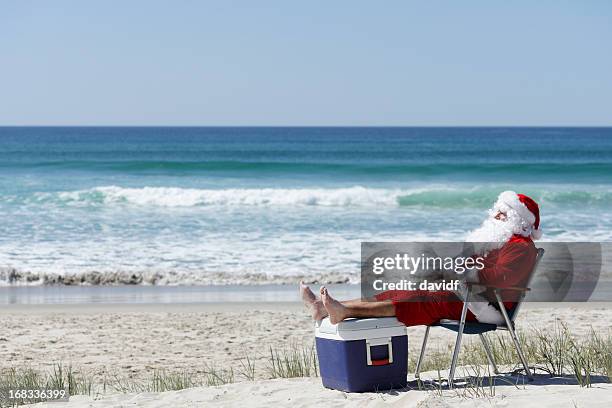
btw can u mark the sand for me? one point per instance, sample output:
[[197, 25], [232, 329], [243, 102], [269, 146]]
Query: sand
[[308, 392], [134, 340]]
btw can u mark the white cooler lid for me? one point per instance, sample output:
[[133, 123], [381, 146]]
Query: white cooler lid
[[355, 329]]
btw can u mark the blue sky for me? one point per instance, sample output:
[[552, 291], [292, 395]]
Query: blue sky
[[305, 63]]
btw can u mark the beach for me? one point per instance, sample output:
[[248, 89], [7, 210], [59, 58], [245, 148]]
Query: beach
[[133, 341], [158, 266], [237, 205]]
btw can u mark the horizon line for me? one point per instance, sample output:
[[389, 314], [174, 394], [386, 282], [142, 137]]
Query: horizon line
[[309, 126]]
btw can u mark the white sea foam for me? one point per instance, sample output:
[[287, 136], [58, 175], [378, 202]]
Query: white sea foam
[[217, 259], [423, 196], [188, 197], [172, 235]]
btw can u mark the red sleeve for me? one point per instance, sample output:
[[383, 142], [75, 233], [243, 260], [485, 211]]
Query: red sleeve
[[511, 266]]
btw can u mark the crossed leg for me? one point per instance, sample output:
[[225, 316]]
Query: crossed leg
[[338, 311]]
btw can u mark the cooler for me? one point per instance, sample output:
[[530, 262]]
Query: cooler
[[358, 355]]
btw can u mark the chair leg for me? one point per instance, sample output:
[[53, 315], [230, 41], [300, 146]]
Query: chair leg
[[422, 354], [487, 348], [514, 337], [451, 374], [519, 351]]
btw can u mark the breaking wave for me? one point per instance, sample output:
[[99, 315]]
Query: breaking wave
[[356, 196]]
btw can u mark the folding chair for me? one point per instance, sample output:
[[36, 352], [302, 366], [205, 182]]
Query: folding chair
[[462, 327]]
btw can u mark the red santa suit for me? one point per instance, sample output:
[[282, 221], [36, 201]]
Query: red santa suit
[[510, 265]]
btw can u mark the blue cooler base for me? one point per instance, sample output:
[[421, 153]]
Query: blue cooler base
[[343, 365]]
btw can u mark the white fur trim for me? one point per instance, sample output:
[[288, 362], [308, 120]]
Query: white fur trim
[[510, 198], [484, 312], [536, 234]]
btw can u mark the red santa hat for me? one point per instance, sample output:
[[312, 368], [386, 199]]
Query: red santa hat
[[526, 207]]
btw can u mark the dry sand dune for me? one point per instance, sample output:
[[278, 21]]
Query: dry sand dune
[[308, 392], [135, 340]]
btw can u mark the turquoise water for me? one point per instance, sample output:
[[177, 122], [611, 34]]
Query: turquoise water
[[253, 205]]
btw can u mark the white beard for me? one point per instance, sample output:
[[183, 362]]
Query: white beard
[[493, 233]]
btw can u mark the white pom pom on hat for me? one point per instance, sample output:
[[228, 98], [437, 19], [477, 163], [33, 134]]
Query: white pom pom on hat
[[526, 207]]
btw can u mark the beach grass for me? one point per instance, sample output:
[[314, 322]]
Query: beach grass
[[294, 361], [247, 368], [218, 376], [164, 381], [60, 377]]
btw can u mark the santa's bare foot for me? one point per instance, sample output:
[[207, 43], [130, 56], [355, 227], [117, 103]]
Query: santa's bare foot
[[314, 305], [306, 293], [335, 309]]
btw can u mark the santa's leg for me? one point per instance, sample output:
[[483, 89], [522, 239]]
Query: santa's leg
[[339, 311], [412, 308]]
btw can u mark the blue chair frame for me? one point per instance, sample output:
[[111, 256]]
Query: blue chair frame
[[462, 327]]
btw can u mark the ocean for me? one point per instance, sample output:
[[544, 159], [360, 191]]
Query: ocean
[[169, 206]]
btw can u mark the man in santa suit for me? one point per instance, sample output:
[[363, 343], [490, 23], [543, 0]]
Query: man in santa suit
[[506, 243]]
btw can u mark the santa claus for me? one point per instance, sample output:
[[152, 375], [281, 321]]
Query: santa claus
[[505, 240]]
